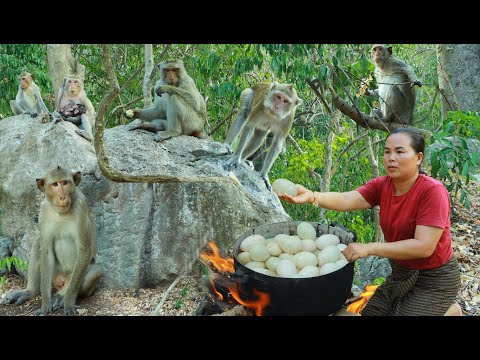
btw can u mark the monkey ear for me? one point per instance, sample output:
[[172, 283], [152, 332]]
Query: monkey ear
[[33, 76], [41, 184], [77, 176], [390, 50]]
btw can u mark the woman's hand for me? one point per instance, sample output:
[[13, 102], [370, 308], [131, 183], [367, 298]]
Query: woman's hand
[[303, 196], [355, 251]]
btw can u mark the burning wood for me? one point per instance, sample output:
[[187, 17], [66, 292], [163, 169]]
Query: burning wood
[[356, 307], [226, 286]]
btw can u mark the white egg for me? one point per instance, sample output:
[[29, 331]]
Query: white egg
[[328, 268], [272, 263], [265, 271], [286, 268], [291, 245], [341, 246], [309, 271], [309, 245], [305, 230], [284, 186], [273, 248], [255, 264], [304, 258], [259, 252], [252, 240], [327, 239], [341, 263], [244, 257], [329, 255]]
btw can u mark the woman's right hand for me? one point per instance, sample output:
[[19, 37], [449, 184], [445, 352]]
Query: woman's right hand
[[304, 196]]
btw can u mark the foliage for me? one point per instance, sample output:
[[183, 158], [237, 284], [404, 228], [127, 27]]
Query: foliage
[[8, 262], [454, 163], [222, 71], [15, 58]]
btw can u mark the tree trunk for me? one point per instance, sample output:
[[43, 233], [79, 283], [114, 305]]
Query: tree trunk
[[372, 158], [458, 70], [147, 91], [60, 64]]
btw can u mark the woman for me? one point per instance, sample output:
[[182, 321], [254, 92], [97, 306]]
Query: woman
[[415, 219]]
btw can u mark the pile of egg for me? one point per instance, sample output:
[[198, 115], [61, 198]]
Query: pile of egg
[[293, 256]]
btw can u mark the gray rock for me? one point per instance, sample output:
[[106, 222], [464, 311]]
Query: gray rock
[[148, 233], [367, 270]]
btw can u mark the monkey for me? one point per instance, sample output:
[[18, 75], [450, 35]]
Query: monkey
[[28, 100], [395, 81], [178, 109], [64, 256], [74, 106], [264, 107]]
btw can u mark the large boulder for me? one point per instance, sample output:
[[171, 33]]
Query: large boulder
[[147, 233]]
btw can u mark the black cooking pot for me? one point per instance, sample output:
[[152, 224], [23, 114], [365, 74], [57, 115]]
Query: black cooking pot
[[319, 295]]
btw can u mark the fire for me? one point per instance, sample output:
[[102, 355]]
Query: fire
[[221, 264], [357, 306], [226, 268]]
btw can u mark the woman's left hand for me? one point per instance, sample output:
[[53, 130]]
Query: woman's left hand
[[355, 251]]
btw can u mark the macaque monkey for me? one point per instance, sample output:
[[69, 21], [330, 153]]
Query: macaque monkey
[[74, 106], [395, 81], [28, 100], [65, 254], [264, 108], [178, 109]]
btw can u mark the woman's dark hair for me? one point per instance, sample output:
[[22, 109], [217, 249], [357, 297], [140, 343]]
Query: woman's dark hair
[[417, 142]]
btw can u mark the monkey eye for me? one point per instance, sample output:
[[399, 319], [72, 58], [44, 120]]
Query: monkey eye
[[55, 184], [64, 182], [278, 97], [285, 101]]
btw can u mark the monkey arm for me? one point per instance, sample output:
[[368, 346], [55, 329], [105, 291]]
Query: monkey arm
[[150, 113], [189, 94], [47, 265], [41, 107]]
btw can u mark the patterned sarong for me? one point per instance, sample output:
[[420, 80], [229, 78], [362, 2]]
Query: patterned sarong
[[408, 292]]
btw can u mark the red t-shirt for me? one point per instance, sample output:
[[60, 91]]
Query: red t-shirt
[[426, 203]]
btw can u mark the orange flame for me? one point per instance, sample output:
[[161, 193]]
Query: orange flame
[[256, 305], [220, 263], [226, 265], [357, 306]]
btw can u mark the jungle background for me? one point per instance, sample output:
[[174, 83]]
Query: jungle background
[[326, 150]]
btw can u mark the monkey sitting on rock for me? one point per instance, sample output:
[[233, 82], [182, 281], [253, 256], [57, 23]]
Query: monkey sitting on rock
[[178, 109], [29, 99], [74, 106], [264, 108]]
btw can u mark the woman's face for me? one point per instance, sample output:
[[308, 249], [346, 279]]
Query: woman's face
[[399, 158]]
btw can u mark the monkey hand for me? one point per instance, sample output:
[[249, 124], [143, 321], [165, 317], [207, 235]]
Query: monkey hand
[[418, 83], [164, 89]]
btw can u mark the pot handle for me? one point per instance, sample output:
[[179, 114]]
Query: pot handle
[[337, 225]]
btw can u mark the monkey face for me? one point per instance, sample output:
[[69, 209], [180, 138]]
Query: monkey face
[[25, 81], [380, 53], [171, 76], [281, 103], [73, 86], [60, 193]]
